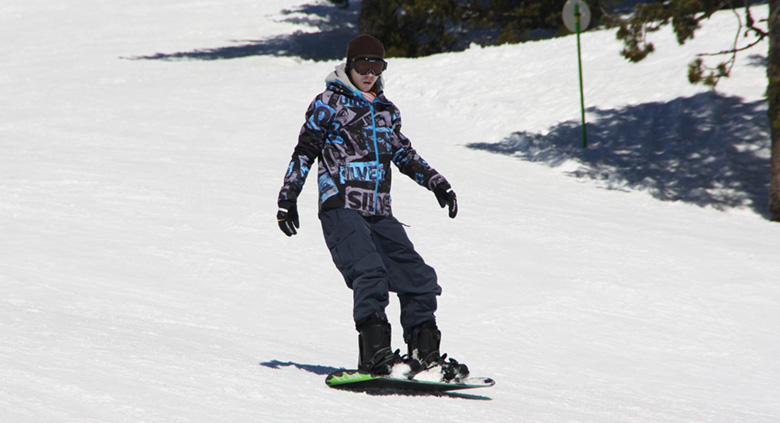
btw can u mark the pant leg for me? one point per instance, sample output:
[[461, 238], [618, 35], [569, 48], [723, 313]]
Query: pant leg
[[348, 237], [408, 275]]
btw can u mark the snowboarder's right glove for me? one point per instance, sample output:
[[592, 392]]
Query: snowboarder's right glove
[[447, 197], [288, 217]]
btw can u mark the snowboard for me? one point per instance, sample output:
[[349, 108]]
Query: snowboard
[[355, 380]]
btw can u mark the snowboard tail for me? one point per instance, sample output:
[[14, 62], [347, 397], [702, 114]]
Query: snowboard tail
[[355, 380]]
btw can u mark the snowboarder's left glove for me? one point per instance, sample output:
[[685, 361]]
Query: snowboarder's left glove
[[447, 197], [287, 216]]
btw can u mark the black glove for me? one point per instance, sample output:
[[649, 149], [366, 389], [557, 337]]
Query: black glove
[[288, 217], [447, 197]]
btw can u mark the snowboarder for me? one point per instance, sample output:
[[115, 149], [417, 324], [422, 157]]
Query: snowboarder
[[355, 133]]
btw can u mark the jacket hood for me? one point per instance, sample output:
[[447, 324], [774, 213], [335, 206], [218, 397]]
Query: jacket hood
[[339, 74]]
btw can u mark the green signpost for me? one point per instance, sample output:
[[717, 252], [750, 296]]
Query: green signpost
[[576, 17]]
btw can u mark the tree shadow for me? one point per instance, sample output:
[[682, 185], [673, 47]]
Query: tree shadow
[[758, 60], [709, 150], [311, 368], [335, 27]]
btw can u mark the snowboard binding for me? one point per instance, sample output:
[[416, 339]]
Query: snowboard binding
[[424, 355], [376, 356]]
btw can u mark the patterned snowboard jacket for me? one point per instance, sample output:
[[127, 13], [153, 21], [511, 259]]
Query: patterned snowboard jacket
[[354, 141]]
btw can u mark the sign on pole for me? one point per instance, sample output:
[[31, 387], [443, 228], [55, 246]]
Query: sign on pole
[[576, 18]]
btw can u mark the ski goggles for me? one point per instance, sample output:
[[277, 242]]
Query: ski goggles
[[364, 65]]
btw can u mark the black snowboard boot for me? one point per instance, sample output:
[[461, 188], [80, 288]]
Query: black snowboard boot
[[424, 354], [376, 356]]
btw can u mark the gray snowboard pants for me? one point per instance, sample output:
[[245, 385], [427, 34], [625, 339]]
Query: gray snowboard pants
[[376, 257]]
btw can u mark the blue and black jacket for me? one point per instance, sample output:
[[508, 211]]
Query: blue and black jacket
[[355, 141]]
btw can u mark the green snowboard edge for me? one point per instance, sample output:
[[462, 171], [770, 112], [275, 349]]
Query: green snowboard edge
[[356, 380]]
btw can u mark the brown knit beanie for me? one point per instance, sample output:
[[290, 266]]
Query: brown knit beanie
[[365, 46]]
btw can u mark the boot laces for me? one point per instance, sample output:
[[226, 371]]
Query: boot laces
[[383, 361]]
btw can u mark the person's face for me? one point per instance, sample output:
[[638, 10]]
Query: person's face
[[363, 82]]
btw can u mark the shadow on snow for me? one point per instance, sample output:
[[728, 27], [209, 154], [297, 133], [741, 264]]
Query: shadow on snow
[[311, 368], [335, 27], [709, 150]]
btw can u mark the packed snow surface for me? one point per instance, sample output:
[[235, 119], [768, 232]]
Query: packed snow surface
[[143, 277]]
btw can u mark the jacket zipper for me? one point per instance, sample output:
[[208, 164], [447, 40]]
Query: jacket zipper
[[376, 153]]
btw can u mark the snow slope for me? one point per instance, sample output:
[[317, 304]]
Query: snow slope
[[144, 279]]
